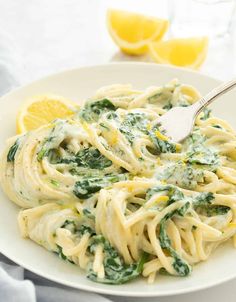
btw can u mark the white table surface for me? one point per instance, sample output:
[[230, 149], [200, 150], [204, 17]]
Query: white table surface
[[40, 37]]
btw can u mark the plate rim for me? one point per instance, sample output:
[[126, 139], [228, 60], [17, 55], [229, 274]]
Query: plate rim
[[105, 65], [89, 288]]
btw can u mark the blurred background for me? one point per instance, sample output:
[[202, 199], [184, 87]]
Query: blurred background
[[42, 37]]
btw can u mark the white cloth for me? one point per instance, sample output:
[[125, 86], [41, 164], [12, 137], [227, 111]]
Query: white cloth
[[19, 285]]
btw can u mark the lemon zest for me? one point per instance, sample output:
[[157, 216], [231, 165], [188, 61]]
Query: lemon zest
[[161, 136], [232, 225], [149, 126]]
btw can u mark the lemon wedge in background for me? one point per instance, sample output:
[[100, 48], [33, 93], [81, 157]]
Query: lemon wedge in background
[[186, 52], [41, 110], [132, 32]]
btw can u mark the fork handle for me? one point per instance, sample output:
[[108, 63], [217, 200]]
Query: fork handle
[[211, 96]]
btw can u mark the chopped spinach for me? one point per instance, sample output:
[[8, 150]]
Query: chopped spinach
[[46, 148], [161, 97], [89, 158], [162, 146], [12, 151], [214, 210], [217, 126], [203, 204], [204, 198], [128, 134], [70, 225], [202, 155], [206, 114], [196, 138], [164, 272], [168, 106], [59, 252], [111, 115], [85, 229], [136, 120], [171, 191], [42, 153], [88, 214], [182, 175], [133, 122], [77, 229], [55, 183], [92, 110], [102, 125], [53, 156], [116, 271], [154, 98], [86, 187], [181, 266]]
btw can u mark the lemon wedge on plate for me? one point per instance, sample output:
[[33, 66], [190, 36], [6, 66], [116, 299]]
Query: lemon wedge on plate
[[185, 52], [132, 32], [41, 110]]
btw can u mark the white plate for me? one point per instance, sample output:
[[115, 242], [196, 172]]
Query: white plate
[[79, 84]]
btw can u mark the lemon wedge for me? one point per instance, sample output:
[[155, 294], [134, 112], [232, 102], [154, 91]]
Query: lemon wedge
[[41, 110], [132, 32], [186, 52]]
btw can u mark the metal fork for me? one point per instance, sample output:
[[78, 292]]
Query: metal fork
[[178, 122]]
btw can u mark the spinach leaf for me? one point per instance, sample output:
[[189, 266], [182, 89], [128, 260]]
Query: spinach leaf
[[203, 199], [202, 155], [128, 134], [162, 146], [89, 158], [168, 106], [215, 210], [164, 272], [217, 126], [92, 110], [203, 204], [111, 115], [55, 183], [46, 148], [162, 97], [59, 252], [155, 97], [181, 266], [171, 191], [83, 229], [12, 151], [70, 225], [182, 175], [136, 120], [88, 214], [86, 187], [133, 122], [206, 114], [77, 229], [194, 139], [116, 271]]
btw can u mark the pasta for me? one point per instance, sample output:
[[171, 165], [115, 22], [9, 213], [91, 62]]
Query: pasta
[[108, 191]]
